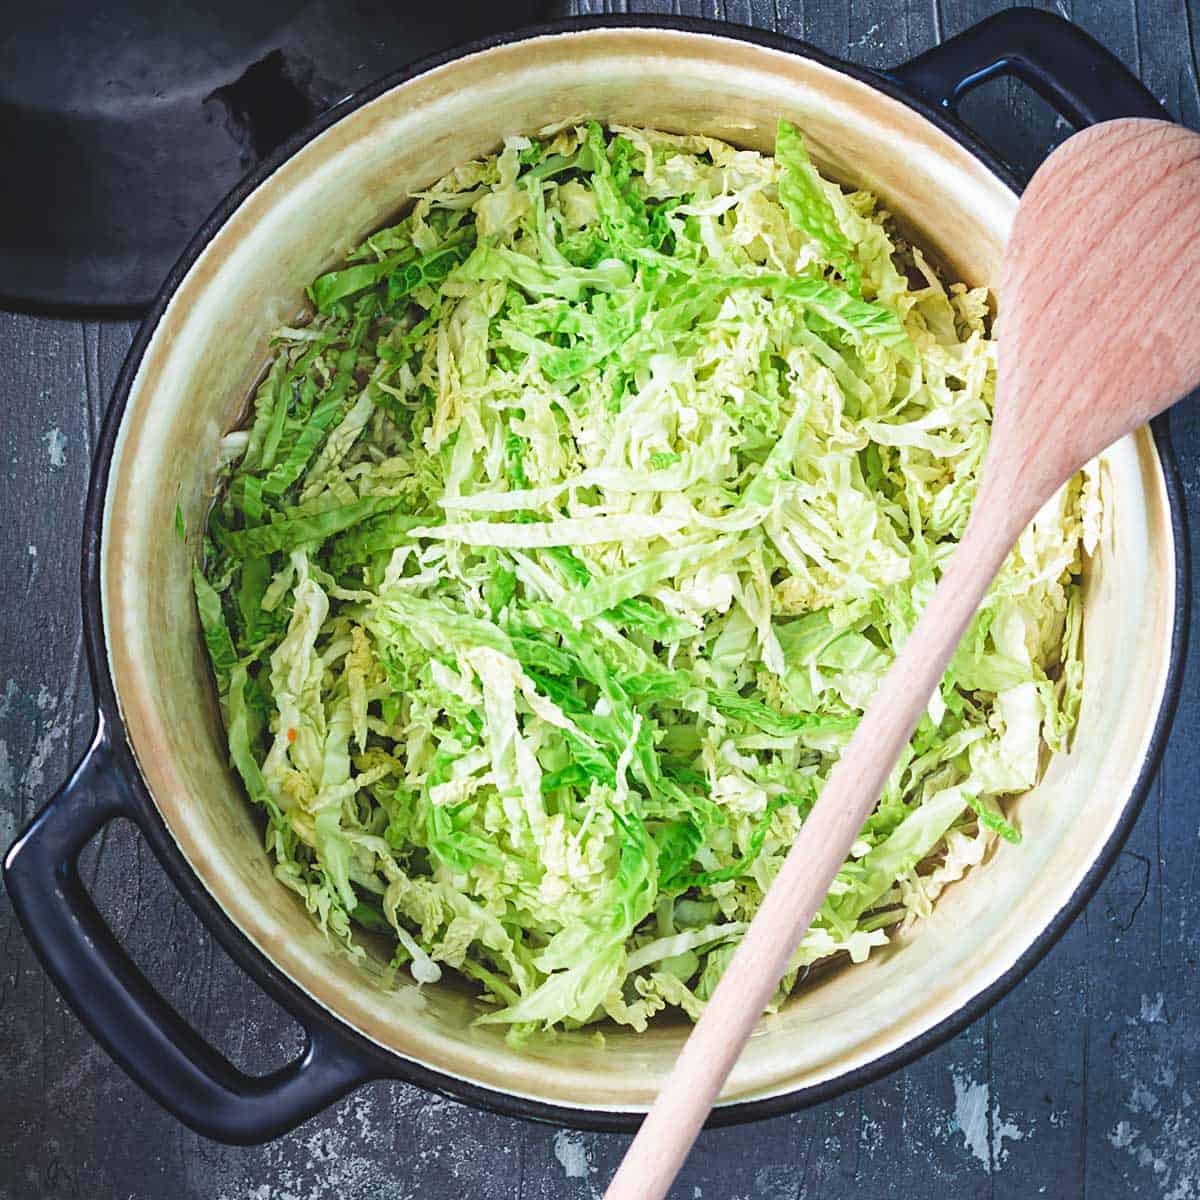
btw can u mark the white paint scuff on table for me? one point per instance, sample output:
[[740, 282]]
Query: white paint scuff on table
[[572, 1154], [979, 1121], [1161, 1135], [56, 446]]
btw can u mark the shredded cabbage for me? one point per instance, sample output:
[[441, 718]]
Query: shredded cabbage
[[566, 545]]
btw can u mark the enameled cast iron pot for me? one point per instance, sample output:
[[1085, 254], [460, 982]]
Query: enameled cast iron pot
[[159, 756]]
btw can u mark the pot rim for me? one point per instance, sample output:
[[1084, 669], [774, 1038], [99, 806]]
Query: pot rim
[[385, 1063]]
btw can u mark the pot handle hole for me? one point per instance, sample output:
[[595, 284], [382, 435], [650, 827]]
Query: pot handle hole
[[1069, 69], [116, 1002]]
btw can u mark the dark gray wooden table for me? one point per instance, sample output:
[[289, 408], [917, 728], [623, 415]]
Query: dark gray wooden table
[[1085, 1081]]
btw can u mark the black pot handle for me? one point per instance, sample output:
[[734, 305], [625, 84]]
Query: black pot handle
[[115, 1000], [1068, 68]]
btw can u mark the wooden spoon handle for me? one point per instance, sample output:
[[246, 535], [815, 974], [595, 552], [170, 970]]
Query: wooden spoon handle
[[846, 801]]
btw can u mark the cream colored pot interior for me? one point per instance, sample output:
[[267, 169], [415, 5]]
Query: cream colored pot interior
[[212, 343]]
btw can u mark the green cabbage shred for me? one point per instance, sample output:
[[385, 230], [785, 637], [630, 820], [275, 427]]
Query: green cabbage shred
[[567, 542]]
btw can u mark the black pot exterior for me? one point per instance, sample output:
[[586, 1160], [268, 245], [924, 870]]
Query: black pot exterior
[[1084, 83]]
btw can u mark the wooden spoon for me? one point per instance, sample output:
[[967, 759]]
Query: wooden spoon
[[1099, 289]]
